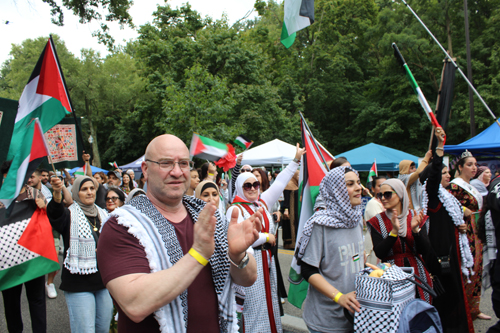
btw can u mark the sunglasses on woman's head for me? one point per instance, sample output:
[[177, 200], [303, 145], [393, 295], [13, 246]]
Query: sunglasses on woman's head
[[386, 195], [248, 186], [246, 170]]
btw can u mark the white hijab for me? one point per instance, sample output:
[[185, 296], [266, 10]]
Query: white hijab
[[242, 178], [399, 187]]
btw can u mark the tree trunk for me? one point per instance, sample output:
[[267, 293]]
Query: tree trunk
[[448, 32], [96, 159]]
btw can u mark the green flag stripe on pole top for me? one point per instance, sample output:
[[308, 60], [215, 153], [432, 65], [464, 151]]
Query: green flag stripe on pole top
[[413, 83]]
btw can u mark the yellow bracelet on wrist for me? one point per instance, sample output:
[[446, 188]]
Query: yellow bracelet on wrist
[[392, 234], [199, 258], [337, 297], [267, 237]]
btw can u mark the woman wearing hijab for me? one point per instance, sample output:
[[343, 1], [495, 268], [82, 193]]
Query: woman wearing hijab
[[135, 192], [208, 191], [482, 180], [261, 312], [322, 253], [408, 174], [451, 256], [89, 304], [398, 235], [471, 201]]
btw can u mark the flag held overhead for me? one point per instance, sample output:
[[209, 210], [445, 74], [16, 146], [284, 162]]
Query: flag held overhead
[[243, 142], [206, 148], [416, 88], [298, 15]]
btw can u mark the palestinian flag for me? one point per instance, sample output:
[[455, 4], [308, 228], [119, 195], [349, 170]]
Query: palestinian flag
[[45, 97], [82, 171], [312, 173], [26, 244], [113, 164], [298, 15], [206, 148], [243, 142], [31, 152], [373, 172]]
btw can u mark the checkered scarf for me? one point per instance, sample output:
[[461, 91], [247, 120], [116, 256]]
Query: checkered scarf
[[157, 235], [80, 258], [338, 212]]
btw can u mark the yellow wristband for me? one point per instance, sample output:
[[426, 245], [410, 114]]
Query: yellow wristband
[[267, 237], [199, 258], [337, 297], [463, 209], [392, 235]]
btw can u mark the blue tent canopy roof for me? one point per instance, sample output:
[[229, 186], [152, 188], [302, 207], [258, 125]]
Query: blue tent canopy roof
[[93, 168], [388, 159], [485, 143]]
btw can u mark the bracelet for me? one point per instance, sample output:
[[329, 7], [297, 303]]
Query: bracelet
[[267, 237], [439, 148], [463, 209], [199, 258], [392, 235], [337, 296]]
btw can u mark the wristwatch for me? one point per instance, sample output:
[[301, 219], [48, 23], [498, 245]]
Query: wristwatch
[[296, 160], [243, 262]]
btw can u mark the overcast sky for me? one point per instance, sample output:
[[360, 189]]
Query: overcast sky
[[31, 19]]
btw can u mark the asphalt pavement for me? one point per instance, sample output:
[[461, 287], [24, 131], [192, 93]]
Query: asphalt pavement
[[58, 320]]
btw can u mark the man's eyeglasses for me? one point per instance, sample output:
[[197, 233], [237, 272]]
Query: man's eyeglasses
[[248, 186], [246, 170], [386, 195], [112, 199], [169, 164]]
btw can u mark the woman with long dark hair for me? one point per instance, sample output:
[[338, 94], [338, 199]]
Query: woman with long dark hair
[[127, 184]]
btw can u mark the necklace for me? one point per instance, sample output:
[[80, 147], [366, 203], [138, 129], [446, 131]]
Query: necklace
[[94, 225]]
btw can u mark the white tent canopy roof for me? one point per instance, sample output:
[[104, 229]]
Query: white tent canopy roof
[[272, 153]]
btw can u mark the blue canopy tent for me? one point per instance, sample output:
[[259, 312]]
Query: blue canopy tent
[[93, 168], [388, 159], [135, 165], [485, 143]]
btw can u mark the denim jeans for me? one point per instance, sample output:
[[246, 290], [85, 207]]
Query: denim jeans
[[89, 312]]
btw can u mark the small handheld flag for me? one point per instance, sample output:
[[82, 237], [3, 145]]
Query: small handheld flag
[[113, 164], [243, 142], [373, 172], [206, 148], [416, 88], [299, 14]]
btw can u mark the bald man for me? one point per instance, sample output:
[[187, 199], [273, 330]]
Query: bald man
[[170, 260]]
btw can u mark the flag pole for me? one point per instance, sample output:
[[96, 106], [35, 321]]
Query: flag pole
[[453, 62]]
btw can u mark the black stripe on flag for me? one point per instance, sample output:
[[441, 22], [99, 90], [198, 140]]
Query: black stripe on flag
[[21, 211]]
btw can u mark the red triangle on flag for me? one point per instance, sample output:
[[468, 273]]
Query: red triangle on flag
[[38, 146], [50, 82], [37, 237], [199, 147]]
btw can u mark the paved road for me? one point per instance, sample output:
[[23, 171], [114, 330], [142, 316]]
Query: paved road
[[58, 321]]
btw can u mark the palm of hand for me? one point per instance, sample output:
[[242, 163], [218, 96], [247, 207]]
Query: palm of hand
[[240, 236]]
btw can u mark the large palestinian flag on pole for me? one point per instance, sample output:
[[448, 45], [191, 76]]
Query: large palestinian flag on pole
[[30, 154], [207, 149], [298, 15], [312, 172], [45, 97], [26, 245]]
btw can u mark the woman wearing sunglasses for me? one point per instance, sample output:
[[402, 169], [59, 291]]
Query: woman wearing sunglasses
[[398, 234], [261, 312], [114, 198]]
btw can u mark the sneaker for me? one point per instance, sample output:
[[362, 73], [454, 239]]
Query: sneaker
[[51, 290]]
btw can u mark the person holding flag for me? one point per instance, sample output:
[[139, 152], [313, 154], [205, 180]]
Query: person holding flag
[[329, 271], [262, 296]]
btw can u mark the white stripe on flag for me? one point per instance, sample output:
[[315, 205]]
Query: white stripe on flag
[[293, 21], [20, 175], [30, 100]]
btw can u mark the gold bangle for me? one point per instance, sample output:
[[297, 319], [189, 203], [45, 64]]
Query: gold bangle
[[337, 296], [199, 258]]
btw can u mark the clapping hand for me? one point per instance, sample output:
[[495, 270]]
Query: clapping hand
[[416, 221], [240, 236]]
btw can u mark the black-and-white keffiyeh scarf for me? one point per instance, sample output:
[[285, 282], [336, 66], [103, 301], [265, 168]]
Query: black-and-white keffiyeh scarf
[[454, 209], [81, 258], [338, 212], [157, 235], [489, 249], [415, 191]]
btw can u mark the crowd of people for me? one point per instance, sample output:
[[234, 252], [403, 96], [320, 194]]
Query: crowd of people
[[184, 249]]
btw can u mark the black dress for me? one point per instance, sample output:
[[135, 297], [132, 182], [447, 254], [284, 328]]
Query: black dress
[[443, 236]]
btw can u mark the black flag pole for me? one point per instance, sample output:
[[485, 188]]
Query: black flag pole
[[453, 62]]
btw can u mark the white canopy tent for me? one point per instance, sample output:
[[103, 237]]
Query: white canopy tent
[[272, 153]]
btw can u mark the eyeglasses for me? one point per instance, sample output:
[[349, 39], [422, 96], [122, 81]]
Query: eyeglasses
[[112, 199], [386, 195], [248, 186], [246, 170], [169, 164]]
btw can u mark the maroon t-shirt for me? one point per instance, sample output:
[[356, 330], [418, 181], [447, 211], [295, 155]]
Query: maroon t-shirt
[[120, 253]]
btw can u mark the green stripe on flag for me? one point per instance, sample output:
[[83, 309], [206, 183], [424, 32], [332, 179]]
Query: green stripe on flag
[[410, 77], [26, 271], [213, 143], [287, 40]]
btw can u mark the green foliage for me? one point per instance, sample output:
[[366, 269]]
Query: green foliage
[[186, 74]]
